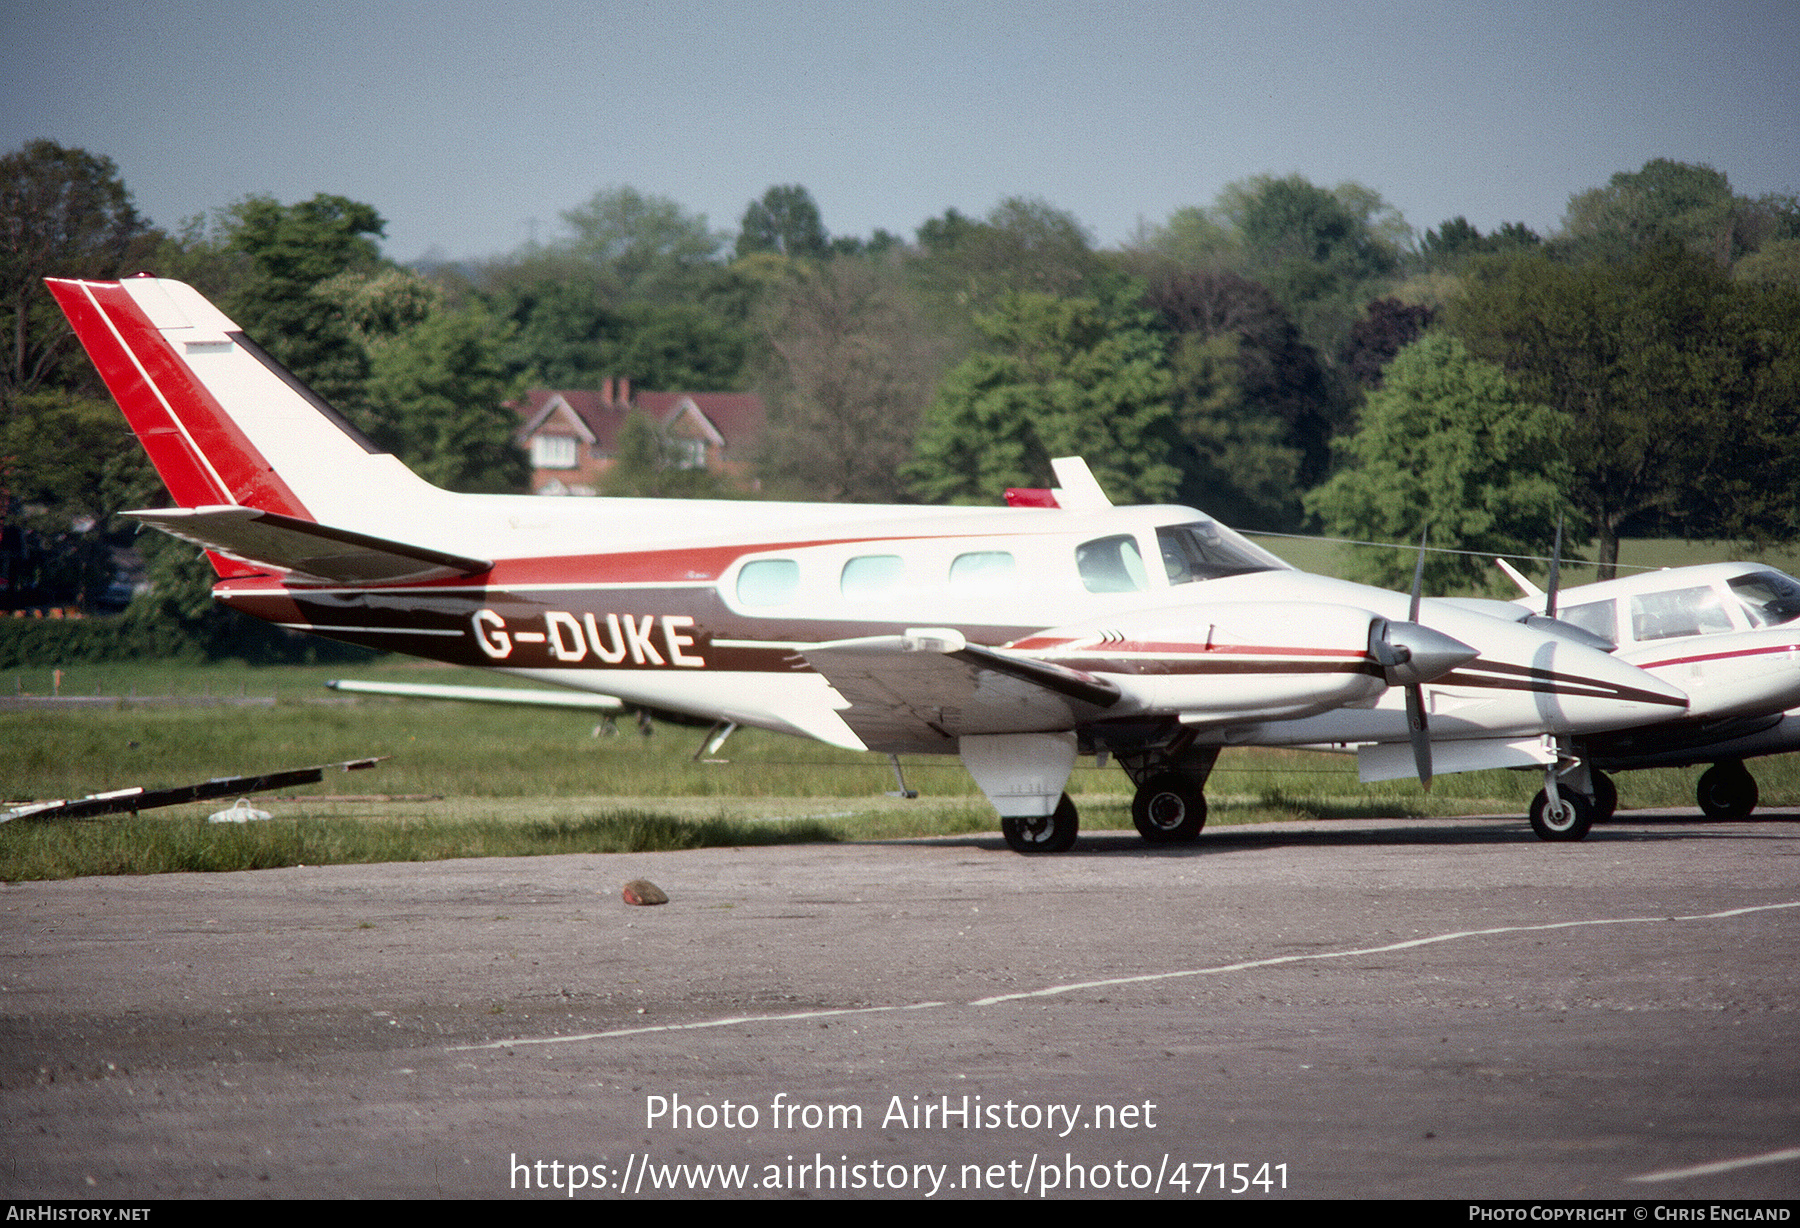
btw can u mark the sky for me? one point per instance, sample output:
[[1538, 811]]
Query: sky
[[472, 127]]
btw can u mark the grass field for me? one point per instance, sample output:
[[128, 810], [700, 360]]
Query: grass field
[[476, 780], [1328, 558]]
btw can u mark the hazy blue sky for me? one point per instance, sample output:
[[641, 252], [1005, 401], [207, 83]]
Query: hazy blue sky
[[463, 123]]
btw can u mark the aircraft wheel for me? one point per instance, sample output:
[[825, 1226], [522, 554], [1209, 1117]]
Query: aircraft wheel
[[1570, 821], [1054, 833], [1606, 797], [1726, 792], [1168, 809]]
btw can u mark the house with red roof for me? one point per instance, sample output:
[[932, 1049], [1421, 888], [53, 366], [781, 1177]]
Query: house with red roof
[[571, 434]]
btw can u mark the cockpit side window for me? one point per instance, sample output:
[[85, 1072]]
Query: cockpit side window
[[1768, 598], [1112, 565], [1198, 552], [1678, 612], [1597, 617]]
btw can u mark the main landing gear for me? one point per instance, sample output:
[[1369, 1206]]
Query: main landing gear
[[1727, 791], [1169, 806], [1051, 833]]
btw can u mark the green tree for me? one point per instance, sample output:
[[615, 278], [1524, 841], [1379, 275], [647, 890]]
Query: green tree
[[641, 247], [1253, 408], [1677, 384], [1323, 252], [785, 221], [643, 466], [68, 465], [965, 267], [63, 213], [1665, 202], [1447, 445], [288, 252], [1060, 377], [436, 391], [850, 369]]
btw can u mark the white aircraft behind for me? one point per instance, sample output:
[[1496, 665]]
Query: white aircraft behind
[[1726, 633], [1015, 638]]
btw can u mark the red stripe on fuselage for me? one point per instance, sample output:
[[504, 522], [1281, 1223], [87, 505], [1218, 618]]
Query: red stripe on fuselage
[[1721, 656], [199, 452]]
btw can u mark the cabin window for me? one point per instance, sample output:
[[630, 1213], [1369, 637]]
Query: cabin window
[[553, 451], [872, 577], [1681, 611], [1768, 598], [982, 571], [768, 582], [1112, 565], [1596, 617]]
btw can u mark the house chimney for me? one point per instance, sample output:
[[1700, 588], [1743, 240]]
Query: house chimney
[[606, 393], [624, 391]]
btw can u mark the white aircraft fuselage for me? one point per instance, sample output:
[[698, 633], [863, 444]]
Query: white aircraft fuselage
[[1014, 637]]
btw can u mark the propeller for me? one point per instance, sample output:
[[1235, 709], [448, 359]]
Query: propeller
[[1411, 655], [1555, 570]]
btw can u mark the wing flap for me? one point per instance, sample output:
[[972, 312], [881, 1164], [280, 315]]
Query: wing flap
[[270, 540], [921, 691]]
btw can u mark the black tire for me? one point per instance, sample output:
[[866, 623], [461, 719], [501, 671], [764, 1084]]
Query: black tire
[[1053, 833], [1726, 792], [1606, 797], [1168, 809], [1569, 822]]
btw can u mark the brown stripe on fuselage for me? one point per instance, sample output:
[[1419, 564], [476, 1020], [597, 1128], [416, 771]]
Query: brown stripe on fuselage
[[1505, 676], [414, 619]]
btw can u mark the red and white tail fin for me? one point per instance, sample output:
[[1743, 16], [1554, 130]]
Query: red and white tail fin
[[225, 424]]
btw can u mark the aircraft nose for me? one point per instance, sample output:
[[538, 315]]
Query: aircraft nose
[[1601, 692]]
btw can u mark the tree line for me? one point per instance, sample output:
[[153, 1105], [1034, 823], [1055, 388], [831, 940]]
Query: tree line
[[1289, 357]]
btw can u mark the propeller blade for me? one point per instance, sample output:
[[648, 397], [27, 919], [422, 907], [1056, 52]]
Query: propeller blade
[[1420, 734], [1555, 571], [1418, 588]]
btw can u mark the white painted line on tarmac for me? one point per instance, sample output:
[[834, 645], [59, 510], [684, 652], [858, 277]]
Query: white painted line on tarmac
[[1721, 1166], [1052, 990], [1141, 979], [519, 1042]]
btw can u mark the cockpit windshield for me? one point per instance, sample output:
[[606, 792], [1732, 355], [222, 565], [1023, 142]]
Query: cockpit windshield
[[1199, 551], [1768, 598]]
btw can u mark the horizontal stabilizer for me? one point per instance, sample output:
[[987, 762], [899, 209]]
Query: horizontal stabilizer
[[316, 551], [531, 696]]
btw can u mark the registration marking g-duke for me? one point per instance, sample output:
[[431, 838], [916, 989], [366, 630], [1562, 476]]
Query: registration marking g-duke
[[569, 639]]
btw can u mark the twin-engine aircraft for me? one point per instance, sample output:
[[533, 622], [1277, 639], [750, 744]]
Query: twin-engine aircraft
[[1726, 633], [1015, 638]]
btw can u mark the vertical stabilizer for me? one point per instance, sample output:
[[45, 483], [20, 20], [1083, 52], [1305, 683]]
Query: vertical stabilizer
[[225, 424]]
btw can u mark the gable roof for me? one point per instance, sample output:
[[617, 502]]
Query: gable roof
[[729, 420]]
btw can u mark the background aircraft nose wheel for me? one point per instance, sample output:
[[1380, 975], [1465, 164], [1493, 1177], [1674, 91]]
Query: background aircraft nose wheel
[[1726, 791], [1168, 809], [1568, 821], [1054, 833]]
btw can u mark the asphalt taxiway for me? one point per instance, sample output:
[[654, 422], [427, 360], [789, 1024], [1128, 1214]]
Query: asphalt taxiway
[[1369, 1008]]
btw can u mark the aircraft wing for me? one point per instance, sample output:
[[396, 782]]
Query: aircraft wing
[[530, 696], [306, 548], [921, 691]]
